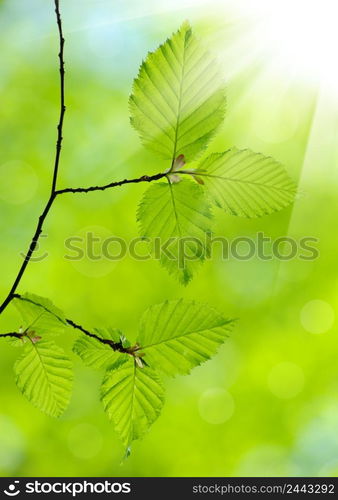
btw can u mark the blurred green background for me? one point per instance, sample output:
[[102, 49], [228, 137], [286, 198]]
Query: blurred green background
[[267, 404]]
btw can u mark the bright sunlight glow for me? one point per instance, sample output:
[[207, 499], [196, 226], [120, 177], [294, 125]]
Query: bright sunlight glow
[[301, 34]]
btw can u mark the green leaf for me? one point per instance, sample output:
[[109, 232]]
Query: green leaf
[[44, 375], [179, 217], [133, 398], [178, 335], [95, 354], [246, 183], [178, 99], [40, 314]]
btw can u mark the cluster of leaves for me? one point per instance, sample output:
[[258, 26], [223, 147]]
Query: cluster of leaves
[[177, 105], [173, 338]]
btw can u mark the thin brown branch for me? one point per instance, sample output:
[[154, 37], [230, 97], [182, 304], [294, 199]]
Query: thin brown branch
[[54, 192], [143, 178], [31, 248], [62, 96], [116, 346], [52, 197], [11, 334]]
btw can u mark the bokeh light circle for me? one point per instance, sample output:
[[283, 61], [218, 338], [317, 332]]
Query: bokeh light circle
[[18, 182], [216, 406], [317, 316], [286, 380], [91, 253]]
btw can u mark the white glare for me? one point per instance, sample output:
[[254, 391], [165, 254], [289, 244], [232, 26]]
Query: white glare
[[300, 35]]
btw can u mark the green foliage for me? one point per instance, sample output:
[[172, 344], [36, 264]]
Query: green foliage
[[178, 335], [178, 99], [96, 354], [44, 375], [180, 215], [40, 314], [246, 183], [174, 337], [132, 397], [177, 104], [267, 434]]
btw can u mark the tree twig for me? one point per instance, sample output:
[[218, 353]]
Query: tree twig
[[28, 255], [11, 334], [54, 191], [116, 346], [143, 178], [52, 197], [62, 97]]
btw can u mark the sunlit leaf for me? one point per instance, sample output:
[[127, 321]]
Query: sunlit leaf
[[133, 398], [40, 314], [179, 217], [95, 353], [44, 375], [178, 99], [178, 335], [246, 183]]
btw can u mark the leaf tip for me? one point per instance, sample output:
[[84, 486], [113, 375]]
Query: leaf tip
[[186, 27]]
